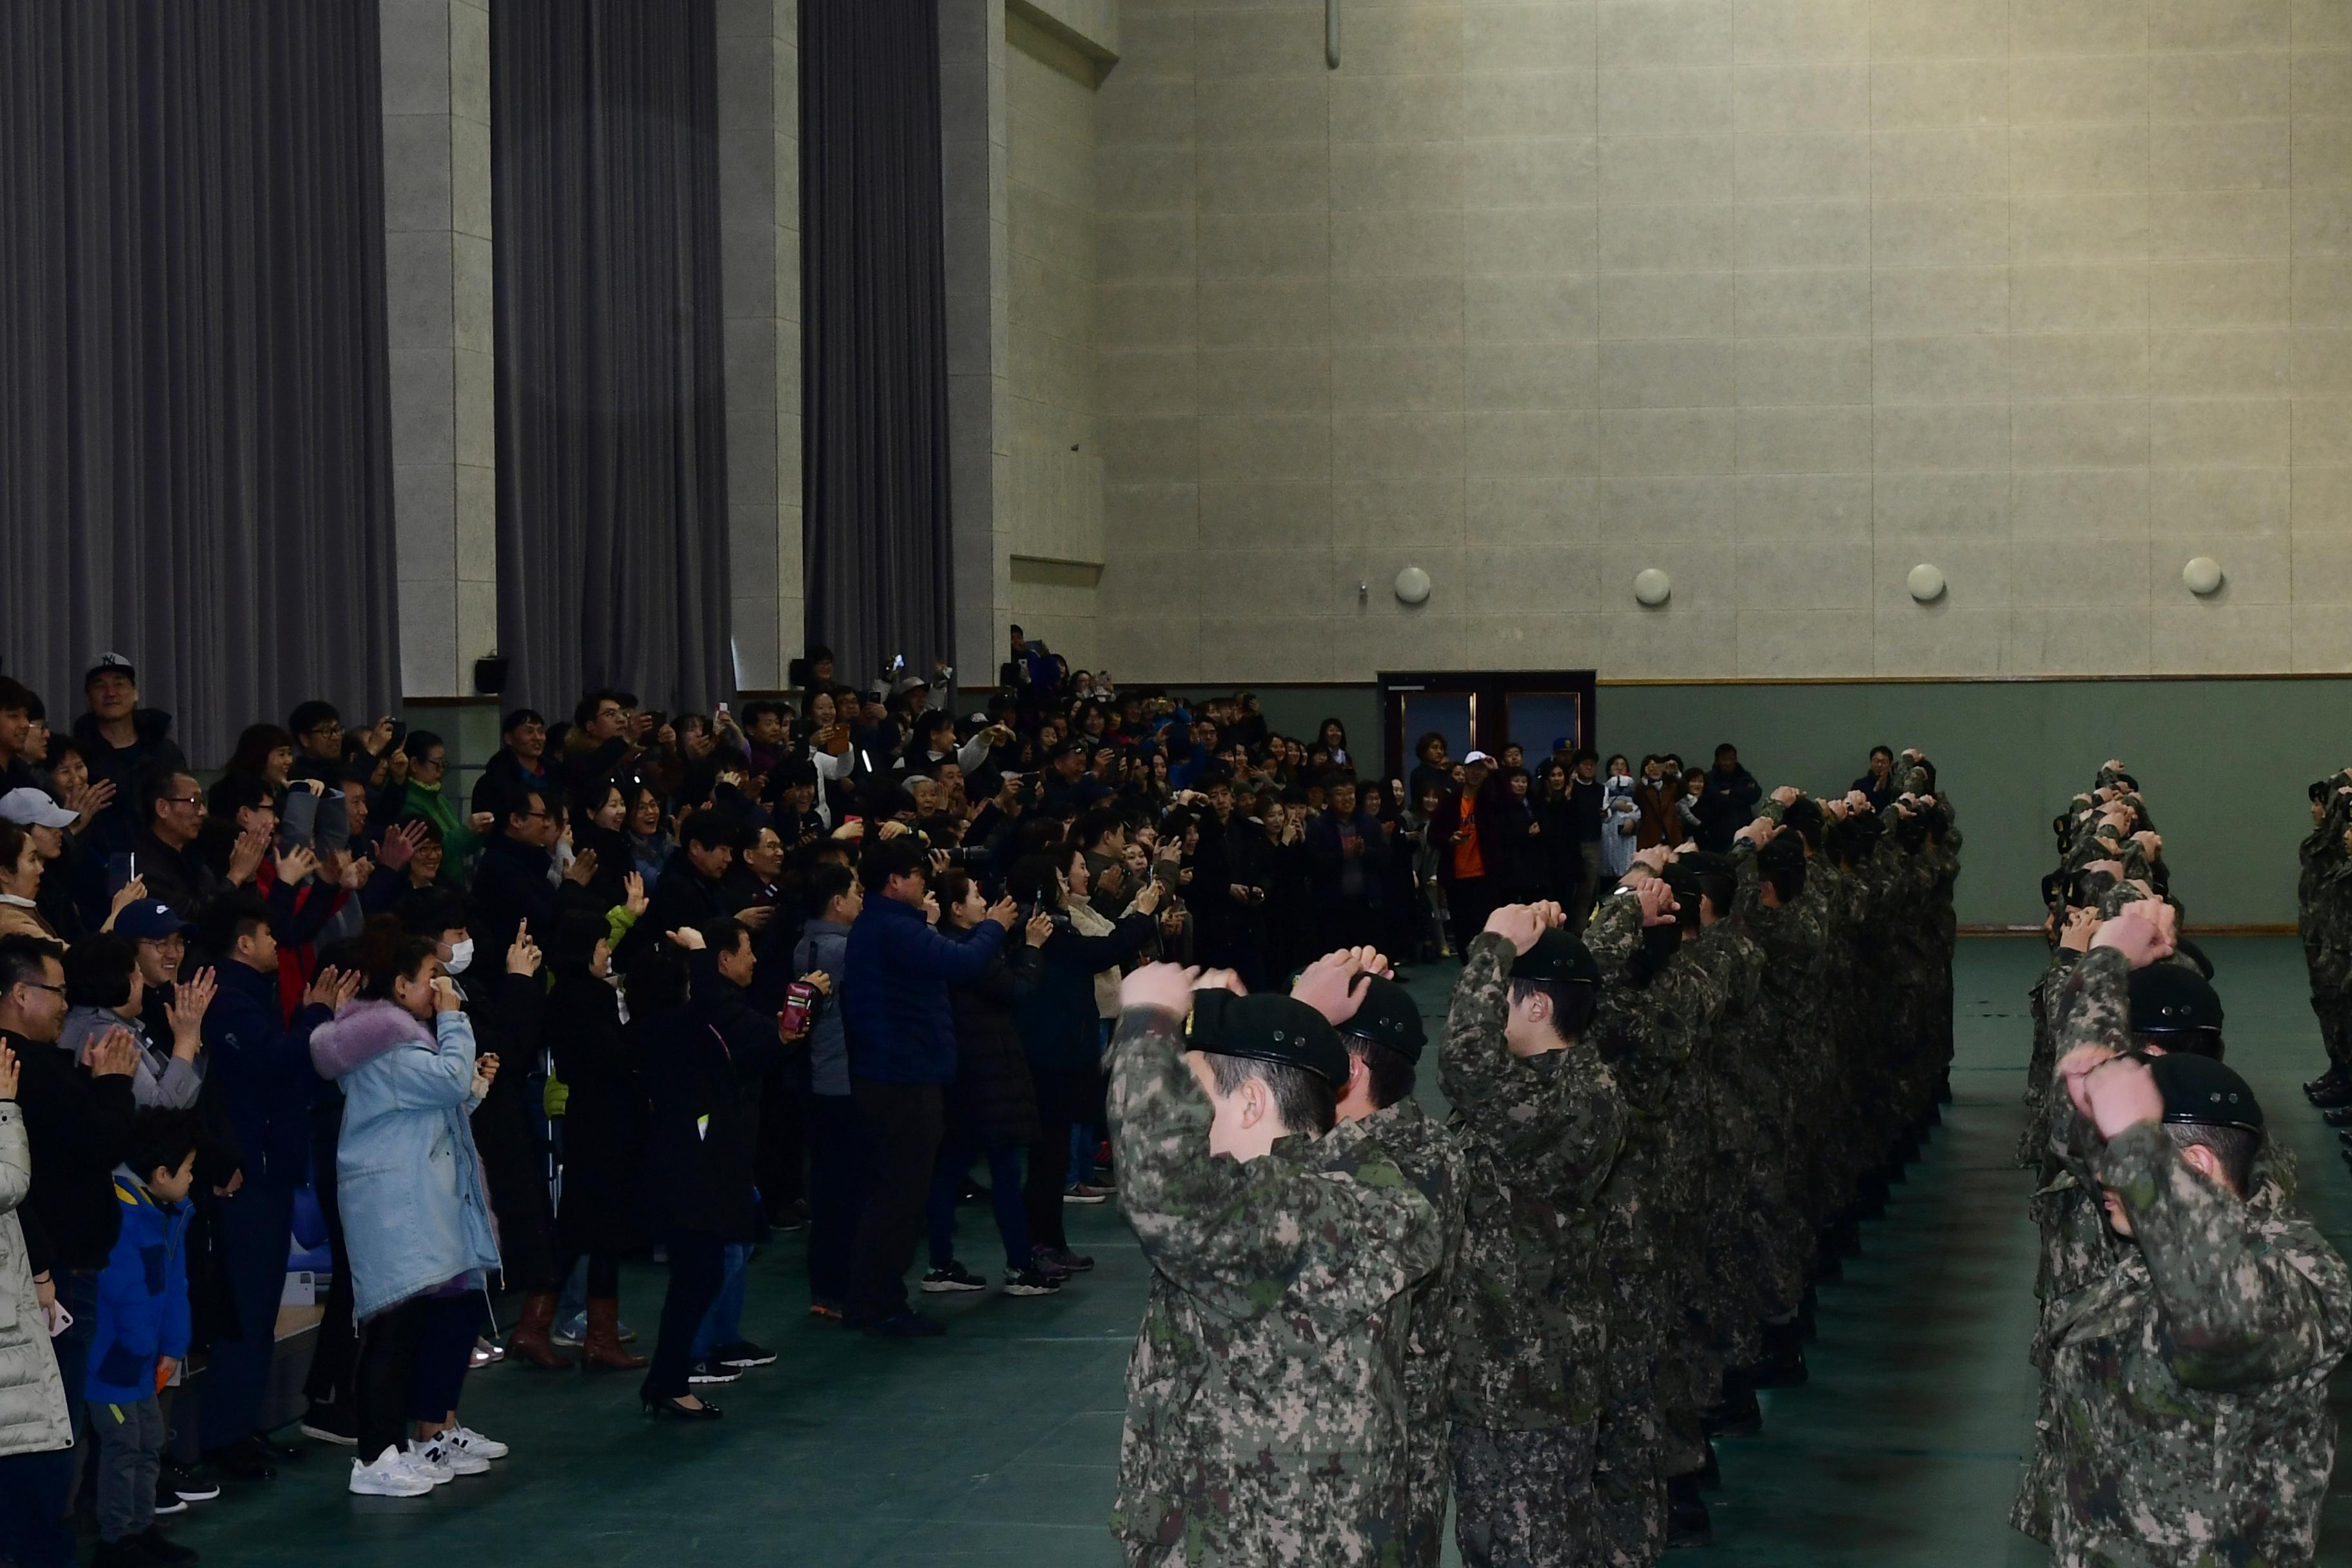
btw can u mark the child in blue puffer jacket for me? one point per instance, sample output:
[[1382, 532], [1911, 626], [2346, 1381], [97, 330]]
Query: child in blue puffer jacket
[[142, 1334]]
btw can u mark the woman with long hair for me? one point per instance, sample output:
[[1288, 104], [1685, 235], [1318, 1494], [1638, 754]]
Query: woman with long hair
[[416, 1218], [604, 1213]]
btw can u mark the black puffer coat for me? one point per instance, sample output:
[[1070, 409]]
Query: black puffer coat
[[992, 1104]]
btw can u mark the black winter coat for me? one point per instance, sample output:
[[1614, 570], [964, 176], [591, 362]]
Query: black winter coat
[[605, 1116], [992, 1104], [701, 1159], [510, 1127]]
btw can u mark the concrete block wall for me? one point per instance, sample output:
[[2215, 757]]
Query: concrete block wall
[[1783, 296]]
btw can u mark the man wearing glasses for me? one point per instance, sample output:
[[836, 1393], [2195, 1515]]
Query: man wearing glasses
[[171, 809], [78, 1123]]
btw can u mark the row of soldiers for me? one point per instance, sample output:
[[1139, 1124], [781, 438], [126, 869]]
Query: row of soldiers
[[1659, 1137], [2190, 1312]]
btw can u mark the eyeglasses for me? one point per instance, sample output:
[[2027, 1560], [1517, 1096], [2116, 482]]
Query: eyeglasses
[[41, 985], [181, 799], [330, 727], [432, 761]]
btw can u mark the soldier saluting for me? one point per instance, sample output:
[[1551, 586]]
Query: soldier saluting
[[2189, 1383], [1266, 1409]]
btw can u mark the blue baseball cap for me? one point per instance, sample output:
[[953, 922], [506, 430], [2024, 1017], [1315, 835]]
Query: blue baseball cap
[[149, 919]]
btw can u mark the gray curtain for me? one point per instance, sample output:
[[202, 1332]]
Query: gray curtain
[[196, 460], [611, 404], [876, 552]]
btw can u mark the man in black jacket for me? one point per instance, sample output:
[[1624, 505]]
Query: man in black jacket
[[1729, 803], [691, 892], [516, 880], [124, 745], [78, 1122], [172, 814]]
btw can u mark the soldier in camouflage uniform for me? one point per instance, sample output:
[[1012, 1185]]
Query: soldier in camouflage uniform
[[2189, 1381], [1266, 1406], [1538, 1122], [1384, 1040], [1664, 990], [2322, 913]]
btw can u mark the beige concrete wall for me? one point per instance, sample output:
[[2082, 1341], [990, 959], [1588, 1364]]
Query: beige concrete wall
[[1053, 428], [1783, 297]]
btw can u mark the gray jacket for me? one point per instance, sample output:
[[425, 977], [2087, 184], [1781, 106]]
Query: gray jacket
[[825, 945], [159, 1077], [32, 1417]]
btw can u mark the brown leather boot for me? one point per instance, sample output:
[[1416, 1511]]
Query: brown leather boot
[[531, 1340], [601, 1346]]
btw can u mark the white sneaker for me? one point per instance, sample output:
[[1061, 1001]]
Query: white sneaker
[[389, 1476], [454, 1460], [422, 1458], [473, 1443]]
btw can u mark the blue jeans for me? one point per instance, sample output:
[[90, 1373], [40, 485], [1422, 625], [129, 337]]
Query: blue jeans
[[1005, 1180], [723, 1324]]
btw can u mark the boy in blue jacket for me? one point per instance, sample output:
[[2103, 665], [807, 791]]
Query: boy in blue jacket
[[143, 1333]]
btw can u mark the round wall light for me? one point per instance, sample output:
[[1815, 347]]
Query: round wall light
[[2202, 575], [1652, 586], [1411, 586], [1926, 583]]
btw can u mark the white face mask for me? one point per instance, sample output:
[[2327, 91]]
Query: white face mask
[[461, 953]]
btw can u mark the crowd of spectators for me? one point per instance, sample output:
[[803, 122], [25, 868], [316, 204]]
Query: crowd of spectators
[[872, 940]]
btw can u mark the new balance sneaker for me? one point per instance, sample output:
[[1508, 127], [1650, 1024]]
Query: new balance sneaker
[[707, 1372], [438, 1450], [420, 1459], [954, 1278], [742, 1355], [1032, 1281], [1086, 1193], [389, 1474], [473, 1443]]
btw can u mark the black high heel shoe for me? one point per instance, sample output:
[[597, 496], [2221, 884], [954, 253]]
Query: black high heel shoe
[[671, 1410]]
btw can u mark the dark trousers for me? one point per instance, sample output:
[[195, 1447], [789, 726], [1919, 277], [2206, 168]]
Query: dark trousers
[[783, 1154], [33, 1530], [1063, 1100], [254, 1227], [445, 1354], [837, 1177], [697, 1266], [386, 1381], [903, 1125], [1004, 1192], [1467, 904], [334, 1355]]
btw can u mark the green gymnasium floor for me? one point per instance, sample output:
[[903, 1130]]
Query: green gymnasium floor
[[996, 1445]]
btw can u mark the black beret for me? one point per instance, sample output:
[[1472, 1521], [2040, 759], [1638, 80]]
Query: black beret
[[1267, 1028], [2194, 954], [2200, 1091], [2172, 997], [1388, 1016], [1559, 958]]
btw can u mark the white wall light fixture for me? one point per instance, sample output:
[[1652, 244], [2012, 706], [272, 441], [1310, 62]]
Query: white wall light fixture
[[2202, 575], [1926, 583], [1412, 586], [1652, 586]]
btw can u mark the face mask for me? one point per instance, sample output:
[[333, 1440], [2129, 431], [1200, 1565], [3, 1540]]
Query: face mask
[[461, 953]]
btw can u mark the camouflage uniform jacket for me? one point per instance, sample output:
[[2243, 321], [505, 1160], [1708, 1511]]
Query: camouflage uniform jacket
[[1538, 1135], [2191, 1384], [2320, 854], [1265, 1404], [1421, 1147], [2188, 1380]]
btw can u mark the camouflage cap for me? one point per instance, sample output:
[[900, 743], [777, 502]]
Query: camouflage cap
[[2200, 1091], [2171, 998], [1268, 1028], [1559, 958], [1388, 1016]]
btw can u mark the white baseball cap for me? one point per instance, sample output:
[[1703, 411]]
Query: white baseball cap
[[1477, 757], [30, 807]]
